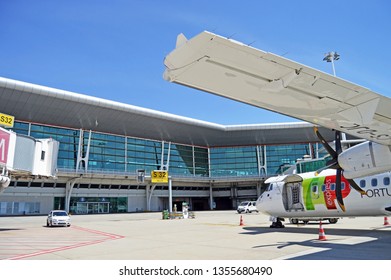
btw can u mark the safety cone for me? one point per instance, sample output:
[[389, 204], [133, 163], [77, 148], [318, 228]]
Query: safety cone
[[241, 221], [322, 236], [386, 223]]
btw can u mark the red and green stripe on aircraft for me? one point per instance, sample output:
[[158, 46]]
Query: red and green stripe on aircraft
[[321, 190]]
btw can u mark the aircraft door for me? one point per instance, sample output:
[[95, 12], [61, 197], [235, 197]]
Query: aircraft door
[[292, 196]]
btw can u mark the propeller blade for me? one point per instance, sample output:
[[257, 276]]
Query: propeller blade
[[326, 145], [338, 189], [353, 184], [333, 163]]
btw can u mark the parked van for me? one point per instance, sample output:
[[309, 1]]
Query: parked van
[[247, 207]]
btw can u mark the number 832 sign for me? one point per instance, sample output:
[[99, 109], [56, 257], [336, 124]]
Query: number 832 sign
[[159, 176]]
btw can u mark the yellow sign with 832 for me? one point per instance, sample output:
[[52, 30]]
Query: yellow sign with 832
[[6, 120], [159, 176]]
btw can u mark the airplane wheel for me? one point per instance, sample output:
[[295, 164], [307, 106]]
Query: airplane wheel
[[277, 224], [294, 221], [333, 221]]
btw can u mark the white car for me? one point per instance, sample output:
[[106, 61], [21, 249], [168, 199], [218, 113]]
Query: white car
[[247, 207], [58, 218]]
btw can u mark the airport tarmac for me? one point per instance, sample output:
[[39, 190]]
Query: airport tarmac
[[211, 235]]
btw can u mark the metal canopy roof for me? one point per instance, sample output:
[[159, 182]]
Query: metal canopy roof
[[44, 105]]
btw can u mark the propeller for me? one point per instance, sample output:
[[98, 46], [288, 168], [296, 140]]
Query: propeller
[[333, 164]]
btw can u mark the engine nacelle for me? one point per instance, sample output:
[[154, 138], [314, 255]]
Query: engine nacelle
[[365, 159]]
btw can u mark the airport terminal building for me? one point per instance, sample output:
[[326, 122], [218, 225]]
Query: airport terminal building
[[105, 145]]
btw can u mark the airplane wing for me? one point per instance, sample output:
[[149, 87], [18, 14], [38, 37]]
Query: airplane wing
[[231, 69]]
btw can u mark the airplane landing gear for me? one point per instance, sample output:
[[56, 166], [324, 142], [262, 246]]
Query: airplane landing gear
[[277, 223]]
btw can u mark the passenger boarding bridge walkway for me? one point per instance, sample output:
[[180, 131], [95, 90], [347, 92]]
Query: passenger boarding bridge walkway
[[24, 157]]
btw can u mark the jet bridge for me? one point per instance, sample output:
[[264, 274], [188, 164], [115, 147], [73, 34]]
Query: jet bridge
[[24, 156]]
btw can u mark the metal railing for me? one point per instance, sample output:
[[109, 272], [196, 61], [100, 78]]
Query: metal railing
[[131, 174]]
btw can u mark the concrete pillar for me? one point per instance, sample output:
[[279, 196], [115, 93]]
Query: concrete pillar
[[169, 194], [210, 197]]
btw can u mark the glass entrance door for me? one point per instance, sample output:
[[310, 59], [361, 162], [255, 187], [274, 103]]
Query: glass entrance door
[[93, 207], [103, 207]]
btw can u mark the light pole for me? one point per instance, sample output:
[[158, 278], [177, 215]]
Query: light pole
[[330, 57]]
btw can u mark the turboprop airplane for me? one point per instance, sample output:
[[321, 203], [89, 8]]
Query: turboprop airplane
[[313, 196], [231, 69]]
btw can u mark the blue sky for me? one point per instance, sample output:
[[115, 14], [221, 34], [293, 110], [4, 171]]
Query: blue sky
[[115, 49]]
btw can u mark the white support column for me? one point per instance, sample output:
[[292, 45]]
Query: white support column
[[169, 194], [193, 155], [261, 160], [265, 160], [147, 191], [86, 158], [162, 157], [166, 165], [68, 192], [29, 130], [79, 151], [126, 154], [150, 189], [80, 157], [168, 156], [209, 169], [210, 197], [317, 150], [310, 149]]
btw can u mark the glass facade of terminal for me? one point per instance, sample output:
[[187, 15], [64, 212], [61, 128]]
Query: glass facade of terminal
[[68, 138], [234, 161], [120, 154], [95, 152]]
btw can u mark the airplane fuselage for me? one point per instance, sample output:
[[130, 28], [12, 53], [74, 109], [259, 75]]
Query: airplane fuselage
[[313, 196]]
